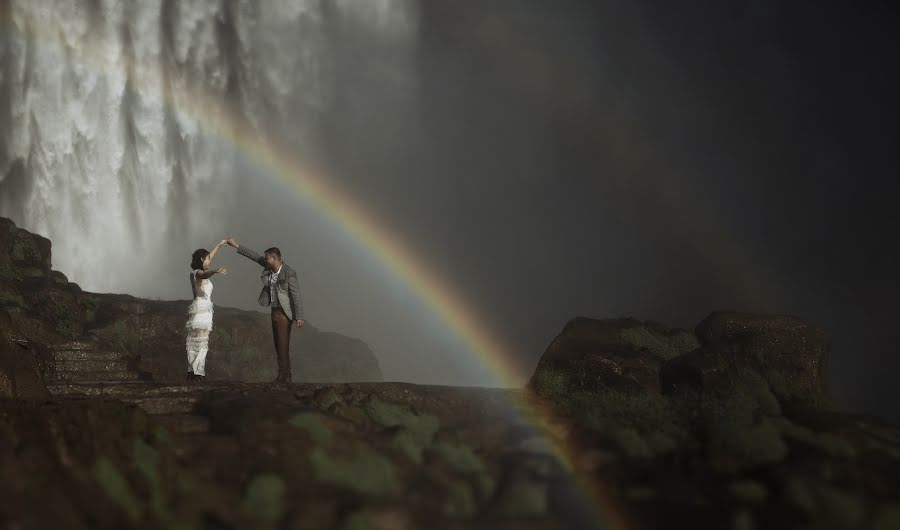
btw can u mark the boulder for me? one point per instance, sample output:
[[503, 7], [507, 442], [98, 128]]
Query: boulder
[[621, 354], [788, 352]]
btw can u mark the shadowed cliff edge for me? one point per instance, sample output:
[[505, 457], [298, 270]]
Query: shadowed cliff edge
[[624, 424]]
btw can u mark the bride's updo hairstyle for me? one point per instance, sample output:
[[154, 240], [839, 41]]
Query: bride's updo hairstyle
[[197, 258]]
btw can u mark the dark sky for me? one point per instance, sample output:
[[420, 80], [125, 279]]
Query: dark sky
[[660, 161]]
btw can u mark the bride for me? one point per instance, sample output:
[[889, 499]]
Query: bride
[[200, 312]]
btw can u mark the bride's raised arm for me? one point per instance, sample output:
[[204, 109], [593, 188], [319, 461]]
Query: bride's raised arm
[[215, 249]]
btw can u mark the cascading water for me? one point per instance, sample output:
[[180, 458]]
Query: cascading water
[[109, 148]]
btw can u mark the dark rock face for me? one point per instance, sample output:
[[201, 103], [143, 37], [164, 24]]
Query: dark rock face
[[789, 353], [24, 365], [741, 436], [22, 253], [20, 372], [131, 338], [623, 354]]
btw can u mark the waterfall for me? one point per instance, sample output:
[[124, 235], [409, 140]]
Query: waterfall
[[108, 150]]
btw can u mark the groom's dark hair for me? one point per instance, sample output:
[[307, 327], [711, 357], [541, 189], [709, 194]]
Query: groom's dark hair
[[273, 251]]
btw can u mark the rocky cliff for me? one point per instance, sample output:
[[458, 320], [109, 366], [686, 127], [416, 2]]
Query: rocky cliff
[[85, 336]]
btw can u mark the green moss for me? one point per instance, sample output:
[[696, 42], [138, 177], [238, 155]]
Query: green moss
[[122, 335], [524, 499], [748, 490], [147, 462], [461, 459], [368, 473], [314, 426], [357, 521], [161, 435], [184, 484], [264, 497], [649, 416], [116, 487], [24, 248], [827, 506], [8, 272], [417, 430], [756, 388], [65, 315], [642, 424], [887, 518], [11, 298], [888, 450], [731, 425], [631, 443], [640, 493], [329, 399], [827, 443], [459, 501], [743, 422], [742, 520], [33, 272], [665, 346], [553, 384]]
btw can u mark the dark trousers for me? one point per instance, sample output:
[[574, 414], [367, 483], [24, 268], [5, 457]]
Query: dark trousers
[[281, 331]]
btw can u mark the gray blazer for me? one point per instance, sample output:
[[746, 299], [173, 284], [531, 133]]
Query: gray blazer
[[287, 287]]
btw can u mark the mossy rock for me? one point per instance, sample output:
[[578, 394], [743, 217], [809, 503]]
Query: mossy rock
[[641, 424], [524, 498], [790, 353], [416, 431], [621, 354], [315, 426], [666, 344], [264, 498], [367, 472]]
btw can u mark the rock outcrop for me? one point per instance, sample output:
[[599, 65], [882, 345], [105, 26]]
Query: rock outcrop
[[789, 353], [623, 354], [734, 416]]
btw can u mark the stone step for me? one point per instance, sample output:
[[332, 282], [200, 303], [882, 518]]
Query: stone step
[[73, 345], [95, 376], [183, 423], [136, 389], [173, 404], [88, 355], [92, 365]]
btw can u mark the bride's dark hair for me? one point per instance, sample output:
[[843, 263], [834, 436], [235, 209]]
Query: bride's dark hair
[[197, 258]]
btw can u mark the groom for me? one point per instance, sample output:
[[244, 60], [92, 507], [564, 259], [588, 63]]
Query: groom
[[281, 291]]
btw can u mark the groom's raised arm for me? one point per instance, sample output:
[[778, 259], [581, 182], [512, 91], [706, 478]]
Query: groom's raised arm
[[244, 251]]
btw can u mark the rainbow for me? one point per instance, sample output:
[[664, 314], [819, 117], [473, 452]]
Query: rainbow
[[312, 184]]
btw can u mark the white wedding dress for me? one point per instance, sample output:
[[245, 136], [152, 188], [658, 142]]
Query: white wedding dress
[[199, 324]]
